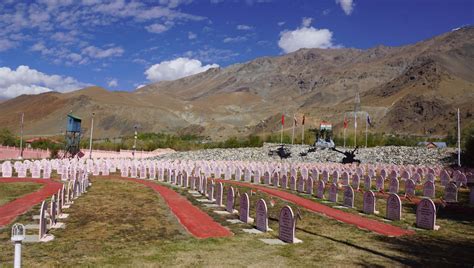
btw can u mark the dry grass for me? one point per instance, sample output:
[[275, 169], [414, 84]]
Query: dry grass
[[121, 223], [14, 190]]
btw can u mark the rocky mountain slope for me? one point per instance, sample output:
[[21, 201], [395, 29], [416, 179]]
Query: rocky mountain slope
[[410, 89]]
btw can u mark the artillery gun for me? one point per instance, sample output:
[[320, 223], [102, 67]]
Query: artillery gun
[[349, 156], [282, 151]]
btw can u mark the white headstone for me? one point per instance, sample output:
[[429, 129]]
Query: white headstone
[[410, 187], [219, 191], [426, 214], [367, 182], [230, 200], [394, 186], [287, 225], [309, 185], [292, 183]]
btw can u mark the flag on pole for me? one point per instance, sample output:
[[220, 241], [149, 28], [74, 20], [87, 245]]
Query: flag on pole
[[368, 120], [345, 121], [282, 119], [302, 122]]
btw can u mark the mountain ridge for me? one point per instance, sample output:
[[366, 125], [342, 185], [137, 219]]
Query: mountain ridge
[[411, 89]]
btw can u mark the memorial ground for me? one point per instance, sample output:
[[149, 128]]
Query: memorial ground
[[124, 223]]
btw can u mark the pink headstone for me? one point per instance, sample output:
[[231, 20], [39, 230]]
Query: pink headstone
[[348, 196], [410, 187], [244, 208], [284, 181], [379, 183], [394, 185], [394, 207], [292, 183], [320, 192], [451, 192], [369, 202], [301, 183], [230, 200], [309, 185], [429, 189], [262, 216], [367, 182], [355, 182], [275, 180], [333, 193]]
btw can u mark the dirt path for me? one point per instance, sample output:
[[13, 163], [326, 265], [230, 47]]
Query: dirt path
[[361, 222], [10, 210], [194, 220]]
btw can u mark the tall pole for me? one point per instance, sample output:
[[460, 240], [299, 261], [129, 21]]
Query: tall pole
[[459, 139], [21, 135], [366, 128], [344, 133], [355, 129], [293, 135], [302, 135], [135, 142], [90, 140], [282, 123]]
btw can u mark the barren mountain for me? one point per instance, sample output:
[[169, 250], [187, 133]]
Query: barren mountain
[[410, 89]]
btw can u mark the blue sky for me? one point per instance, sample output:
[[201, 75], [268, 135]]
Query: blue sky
[[64, 45]]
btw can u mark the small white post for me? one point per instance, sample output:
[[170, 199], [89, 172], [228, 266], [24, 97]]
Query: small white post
[[21, 136], [18, 234]]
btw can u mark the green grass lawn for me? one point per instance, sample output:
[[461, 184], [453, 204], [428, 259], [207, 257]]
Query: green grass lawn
[[121, 223], [11, 191]]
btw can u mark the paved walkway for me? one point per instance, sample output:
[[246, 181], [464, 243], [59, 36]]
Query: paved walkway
[[9, 211], [194, 220], [359, 221]]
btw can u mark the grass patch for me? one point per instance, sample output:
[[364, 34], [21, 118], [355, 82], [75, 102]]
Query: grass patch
[[122, 223], [13, 190]]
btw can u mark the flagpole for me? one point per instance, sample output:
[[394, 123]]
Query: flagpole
[[366, 126], [281, 134], [459, 139], [293, 134], [302, 135], [344, 137], [355, 129]]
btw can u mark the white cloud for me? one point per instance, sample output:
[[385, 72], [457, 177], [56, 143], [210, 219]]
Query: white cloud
[[234, 39], [6, 44], [175, 69], [281, 23], [244, 27], [25, 80], [306, 22], [99, 53], [112, 82], [157, 28], [346, 5], [192, 35], [305, 37]]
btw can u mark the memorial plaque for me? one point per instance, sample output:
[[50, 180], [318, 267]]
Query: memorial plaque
[[379, 183], [367, 182], [451, 192], [292, 183], [355, 181], [309, 185], [410, 187], [244, 208], [348, 196], [369, 202], [321, 187], [287, 225], [301, 183], [276, 179], [333, 193], [230, 200], [426, 214], [394, 186], [261, 220], [429, 189], [394, 207]]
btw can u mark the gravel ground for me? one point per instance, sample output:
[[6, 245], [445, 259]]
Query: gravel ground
[[387, 154]]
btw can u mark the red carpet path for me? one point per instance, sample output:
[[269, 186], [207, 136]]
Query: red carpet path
[[9, 211], [197, 222], [365, 223]]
